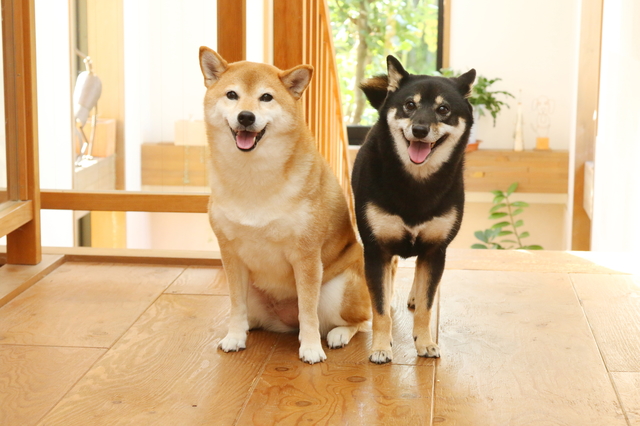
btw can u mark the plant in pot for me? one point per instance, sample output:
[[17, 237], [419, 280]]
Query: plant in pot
[[483, 99]]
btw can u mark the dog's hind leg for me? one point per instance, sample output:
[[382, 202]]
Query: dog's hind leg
[[429, 269], [380, 274]]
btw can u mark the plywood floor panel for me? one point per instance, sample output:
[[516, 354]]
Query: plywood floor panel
[[292, 393], [167, 370], [200, 280], [612, 305], [535, 261], [15, 279], [83, 304], [628, 385], [517, 350], [34, 378]]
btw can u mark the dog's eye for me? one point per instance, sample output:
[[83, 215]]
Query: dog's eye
[[443, 110], [232, 95], [410, 106], [266, 98]]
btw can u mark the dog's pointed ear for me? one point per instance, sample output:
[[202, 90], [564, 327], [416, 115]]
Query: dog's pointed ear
[[465, 82], [212, 65], [375, 89], [396, 73], [297, 79]]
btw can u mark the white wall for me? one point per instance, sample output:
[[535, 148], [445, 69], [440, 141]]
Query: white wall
[[163, 82], [616, 211], [533, 47], [54, 114]]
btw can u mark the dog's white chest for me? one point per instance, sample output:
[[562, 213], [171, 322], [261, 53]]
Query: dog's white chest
[[388, 227]]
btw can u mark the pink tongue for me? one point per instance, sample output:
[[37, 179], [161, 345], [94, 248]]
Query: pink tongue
[[245, 140], [418, 151]]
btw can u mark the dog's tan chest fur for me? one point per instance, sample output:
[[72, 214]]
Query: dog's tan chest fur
[[387, 226]]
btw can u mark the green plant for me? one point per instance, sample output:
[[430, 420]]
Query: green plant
[[504, 210], [481, 97]]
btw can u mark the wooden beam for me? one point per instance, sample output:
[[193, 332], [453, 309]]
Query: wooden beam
[[586, 123], [14, 214], [231, 30], [125, 201], [18, 33], [288, 34]]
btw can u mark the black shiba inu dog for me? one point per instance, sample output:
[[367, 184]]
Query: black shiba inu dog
[[409, 191]]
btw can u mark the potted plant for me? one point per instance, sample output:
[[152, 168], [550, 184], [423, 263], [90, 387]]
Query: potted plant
[[483, 100]]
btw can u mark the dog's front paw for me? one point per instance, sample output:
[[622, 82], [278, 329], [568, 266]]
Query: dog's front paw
[[430, 350], [339, 337], [233, 342], [312, 354], [381, 357], [411, 302]]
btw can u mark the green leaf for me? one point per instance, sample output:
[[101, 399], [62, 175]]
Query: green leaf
[[497, 215], [500, 225], [479, 246], [525, 234], [512, 188], [520, 204], [517, 212], [481, 236], [497, 207], [532, 247], [518, 223], [509, 241], [498, 199], [504, 233], [497, 192]]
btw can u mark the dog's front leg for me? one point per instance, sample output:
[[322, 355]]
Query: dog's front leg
[[429, 269], [380, 271], [307, 269], [238, 280]]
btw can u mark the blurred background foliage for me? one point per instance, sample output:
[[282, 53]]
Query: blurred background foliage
[[366, 31]]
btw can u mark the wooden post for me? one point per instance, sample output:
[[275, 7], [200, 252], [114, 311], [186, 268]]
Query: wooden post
[[18, 33], [288, 33], [231, 30]]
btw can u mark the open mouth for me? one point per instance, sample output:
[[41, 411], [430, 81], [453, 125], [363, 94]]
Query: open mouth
[[419, 150], [245, 140]]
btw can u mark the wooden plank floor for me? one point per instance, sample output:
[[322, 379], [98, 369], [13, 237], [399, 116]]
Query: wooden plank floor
[[543, 338]]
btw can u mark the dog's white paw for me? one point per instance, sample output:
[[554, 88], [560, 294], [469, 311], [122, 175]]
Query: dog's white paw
[[430, 350], [339, 337], [233, 342], [381, 357], [312, 354]]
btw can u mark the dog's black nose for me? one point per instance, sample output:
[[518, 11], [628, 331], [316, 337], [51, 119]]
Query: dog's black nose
[[419, 131], [246, 118]]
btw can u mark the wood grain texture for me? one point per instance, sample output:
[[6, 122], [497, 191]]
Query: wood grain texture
[[167, 370], [528, 261], [125, 201], [628, 385], [14, 214], [332, 394], [200, 280], [14, 279], [21, 125], [231, 30], [166, 164], [535, 171], [517, 350], [33, 379], [612, 306], [87, 305]]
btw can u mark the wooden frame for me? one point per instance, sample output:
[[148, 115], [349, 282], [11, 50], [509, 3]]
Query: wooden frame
[[21, 221]]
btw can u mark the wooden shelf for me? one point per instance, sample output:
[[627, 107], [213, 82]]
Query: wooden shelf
[[167, 164], [535, 171]]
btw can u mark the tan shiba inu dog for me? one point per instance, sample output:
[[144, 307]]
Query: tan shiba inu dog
[[288, 247]]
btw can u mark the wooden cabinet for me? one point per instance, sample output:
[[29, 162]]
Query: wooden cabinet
[[535, 171]]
